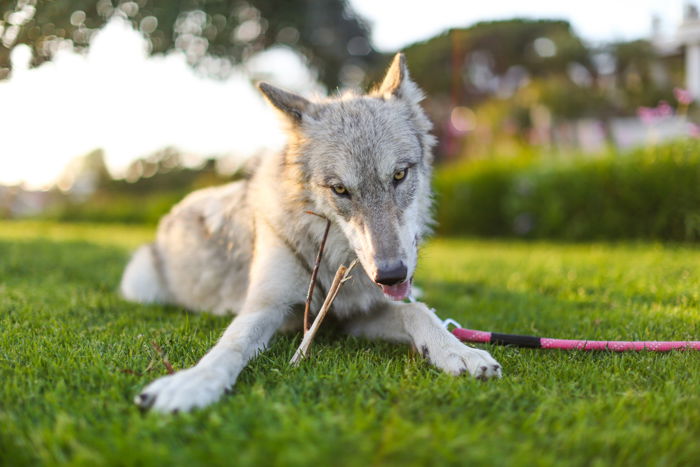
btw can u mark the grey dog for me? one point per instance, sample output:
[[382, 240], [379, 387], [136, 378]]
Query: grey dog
[[362, 161]]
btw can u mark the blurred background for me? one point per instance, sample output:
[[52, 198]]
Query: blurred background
[[569, 120]]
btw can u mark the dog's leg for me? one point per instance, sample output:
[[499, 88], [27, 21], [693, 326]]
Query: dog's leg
[[415, 324], [274, 287]]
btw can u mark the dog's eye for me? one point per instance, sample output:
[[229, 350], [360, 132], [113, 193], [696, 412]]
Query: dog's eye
[[399, 175], [340, 190]]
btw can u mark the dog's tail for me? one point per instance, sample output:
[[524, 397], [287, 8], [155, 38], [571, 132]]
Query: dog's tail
[[144, 279]]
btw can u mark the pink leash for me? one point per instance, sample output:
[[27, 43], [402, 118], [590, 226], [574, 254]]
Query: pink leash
[[471, 335]]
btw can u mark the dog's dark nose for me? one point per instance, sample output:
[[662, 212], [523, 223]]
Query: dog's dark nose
[[391, 273]]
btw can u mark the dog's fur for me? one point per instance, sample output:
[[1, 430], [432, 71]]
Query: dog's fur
[[248, 247]]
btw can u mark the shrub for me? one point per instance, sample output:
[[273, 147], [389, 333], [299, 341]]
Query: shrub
[[122, 208], [651, 193]]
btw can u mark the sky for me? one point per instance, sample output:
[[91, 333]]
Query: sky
[[129, 104], [396, 23], [119, 99]]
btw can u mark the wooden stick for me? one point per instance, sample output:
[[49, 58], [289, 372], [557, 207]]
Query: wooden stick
[[341, 276], [314, 273]]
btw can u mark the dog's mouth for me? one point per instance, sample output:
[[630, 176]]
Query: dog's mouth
[[397, 291]]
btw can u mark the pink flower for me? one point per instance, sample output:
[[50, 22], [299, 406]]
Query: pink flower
[[647, 115], [694, 130], [683, 96], [664, 110]]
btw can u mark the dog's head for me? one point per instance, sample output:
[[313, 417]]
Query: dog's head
[[364, 161]]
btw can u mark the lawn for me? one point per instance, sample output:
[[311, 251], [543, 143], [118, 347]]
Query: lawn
[[73, 355]]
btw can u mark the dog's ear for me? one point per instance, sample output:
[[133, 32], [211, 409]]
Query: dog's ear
[[397, 83], [291, 105]]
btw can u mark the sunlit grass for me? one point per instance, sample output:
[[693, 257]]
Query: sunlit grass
[[69, 348]]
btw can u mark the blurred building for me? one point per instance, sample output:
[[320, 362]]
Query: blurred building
[[686, 41]]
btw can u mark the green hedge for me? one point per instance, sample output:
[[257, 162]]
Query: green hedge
[[651, 193], [120, 208]]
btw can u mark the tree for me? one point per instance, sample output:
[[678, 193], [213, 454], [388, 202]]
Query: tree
[[499, 64], [212, 33], [478, 59]]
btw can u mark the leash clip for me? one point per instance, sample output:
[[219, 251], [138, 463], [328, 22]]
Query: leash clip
[[446, 323]]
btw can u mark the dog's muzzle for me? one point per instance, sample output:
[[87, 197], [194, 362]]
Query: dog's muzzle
[[392, 278], [391, 273]]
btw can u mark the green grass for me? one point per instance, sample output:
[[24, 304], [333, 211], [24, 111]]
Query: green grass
[[66, 339]]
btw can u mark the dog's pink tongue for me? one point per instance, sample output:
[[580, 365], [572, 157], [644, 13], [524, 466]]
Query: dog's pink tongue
[[398, 291]]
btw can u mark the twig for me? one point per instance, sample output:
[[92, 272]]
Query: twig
[[342, 275], [314, 272], [169, 368]]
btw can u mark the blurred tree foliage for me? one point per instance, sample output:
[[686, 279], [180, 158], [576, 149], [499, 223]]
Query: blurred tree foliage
[[482, 56], [522, 77], [640, 73], [151, 186], [213, 34]]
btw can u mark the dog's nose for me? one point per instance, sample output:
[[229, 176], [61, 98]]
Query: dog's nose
[[391, 273]]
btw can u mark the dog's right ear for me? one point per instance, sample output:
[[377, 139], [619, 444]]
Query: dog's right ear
[[291, 105]]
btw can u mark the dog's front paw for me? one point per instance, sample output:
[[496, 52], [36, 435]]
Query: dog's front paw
[[456, 358], [195, 387]]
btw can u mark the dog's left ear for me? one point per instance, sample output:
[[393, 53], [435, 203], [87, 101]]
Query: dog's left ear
[[291, 105], [398, 84]]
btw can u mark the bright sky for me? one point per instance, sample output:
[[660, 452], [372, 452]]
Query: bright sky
[[396, 23], [119, 99]]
